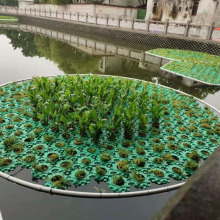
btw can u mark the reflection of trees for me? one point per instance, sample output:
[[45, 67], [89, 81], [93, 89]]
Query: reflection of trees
[[23, 40], [68, 59], [9, 2]]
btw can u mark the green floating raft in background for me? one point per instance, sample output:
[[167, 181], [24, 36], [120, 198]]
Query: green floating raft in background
[[34, 133], [8, 19], [201, 67]]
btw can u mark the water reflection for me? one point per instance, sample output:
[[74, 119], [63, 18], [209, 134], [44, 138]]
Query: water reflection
[[72, 58]]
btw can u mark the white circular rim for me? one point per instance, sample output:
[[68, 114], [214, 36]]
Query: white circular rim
[[100, 194]]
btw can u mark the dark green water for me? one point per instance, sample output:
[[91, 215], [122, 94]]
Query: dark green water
[[24, 55]]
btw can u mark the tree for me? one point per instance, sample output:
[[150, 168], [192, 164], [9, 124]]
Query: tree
[[9, 2]]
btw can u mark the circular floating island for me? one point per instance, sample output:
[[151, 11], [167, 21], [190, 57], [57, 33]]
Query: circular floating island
[[202, 67], [71, 129]]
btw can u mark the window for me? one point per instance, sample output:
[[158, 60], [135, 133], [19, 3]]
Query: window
[[195, 7], [154, 8]]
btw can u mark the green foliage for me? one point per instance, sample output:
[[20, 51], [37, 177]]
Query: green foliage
[[29, 159], [8, 142], [60, 182], [123, 165], [158, 160], [105, 157], [140, 162], [137, 176], [191, 165], [86, 161], [5, 162], [100, 170], [194, 156], [9, 2], [80, 174], [118, 180], [158, 148]]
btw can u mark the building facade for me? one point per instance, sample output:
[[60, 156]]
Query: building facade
[[197, 11]]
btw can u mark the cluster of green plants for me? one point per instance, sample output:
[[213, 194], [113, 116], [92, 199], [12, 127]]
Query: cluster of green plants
[[92, 106], [200, 66]]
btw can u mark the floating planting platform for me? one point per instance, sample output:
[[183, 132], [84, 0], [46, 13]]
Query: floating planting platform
[[7, 19], [70, 129], [201, 67]]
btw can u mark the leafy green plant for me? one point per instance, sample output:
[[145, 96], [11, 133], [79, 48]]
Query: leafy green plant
[[53, 157], [191, 165], [30, 138], [118, 180], [101, 171], [49, 138], [8, 142], [140, 162], [71, 151], [177, 170], [5, 162], [96, 129], [140, 151], [40, 168], [78, 141], [60, 182], [105, 157], [80, 174], [137, 176], [129, 120], [142, 123], [86, 161], [123, 165], [29, 159], [123, 153], [9, 126], [158, 148], [157, 112], [194, 156]]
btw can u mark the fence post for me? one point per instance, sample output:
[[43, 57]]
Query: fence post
[[70, 15], [63, 15], [166, 26], [187, 28], [211, 29], [35, 12], [107, 20], [87, 17], [50, 13], [147, 22], [118, 21], [132, 24], [25, 11], [56, 13], [77, 16]]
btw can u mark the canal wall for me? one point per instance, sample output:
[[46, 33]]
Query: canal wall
[[144, 40]]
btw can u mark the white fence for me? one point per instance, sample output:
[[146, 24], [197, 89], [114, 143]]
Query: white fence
[[208, 32]]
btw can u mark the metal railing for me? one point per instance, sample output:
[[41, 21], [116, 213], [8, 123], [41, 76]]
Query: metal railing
[[208, 32]]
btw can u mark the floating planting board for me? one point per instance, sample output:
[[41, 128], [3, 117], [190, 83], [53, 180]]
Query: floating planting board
[[201, 67], [7, 19], [71, 129]]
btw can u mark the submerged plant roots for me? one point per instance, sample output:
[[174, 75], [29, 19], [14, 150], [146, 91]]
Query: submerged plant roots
[[71, 129]]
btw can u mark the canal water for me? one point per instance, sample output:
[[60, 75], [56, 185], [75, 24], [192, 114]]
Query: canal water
[[24, 55]]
